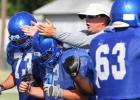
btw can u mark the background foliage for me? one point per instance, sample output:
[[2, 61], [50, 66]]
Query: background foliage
[[26, 5]]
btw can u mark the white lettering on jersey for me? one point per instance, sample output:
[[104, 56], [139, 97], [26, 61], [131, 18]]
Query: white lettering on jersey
[[56, 74], [18, 55], [28, 68], [102, 62]]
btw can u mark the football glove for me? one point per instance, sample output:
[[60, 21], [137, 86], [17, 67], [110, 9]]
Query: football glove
[[53, 91], [26, 78], [72, 65]]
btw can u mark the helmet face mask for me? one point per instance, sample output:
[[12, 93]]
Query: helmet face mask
[[48, 49], [47, 56], [21, 41]]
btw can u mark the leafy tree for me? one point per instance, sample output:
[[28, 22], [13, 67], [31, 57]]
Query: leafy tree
[[26, 5]]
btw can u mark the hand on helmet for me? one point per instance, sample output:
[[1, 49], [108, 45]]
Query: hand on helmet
[[29, 30], [46, 29]]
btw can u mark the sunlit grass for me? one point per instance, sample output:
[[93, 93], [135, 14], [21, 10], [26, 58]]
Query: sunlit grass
[[9, 96]]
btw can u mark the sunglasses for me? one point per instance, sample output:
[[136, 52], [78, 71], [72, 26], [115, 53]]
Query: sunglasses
[[91, 16]]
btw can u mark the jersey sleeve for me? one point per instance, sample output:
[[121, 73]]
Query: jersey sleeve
[[10, 54], [38, 73], [78, 39], [91, 72]]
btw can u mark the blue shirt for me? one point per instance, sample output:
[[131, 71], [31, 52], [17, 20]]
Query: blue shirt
[[21, 62], [56, 76], [116, 58], [60, 76], [86, 69]]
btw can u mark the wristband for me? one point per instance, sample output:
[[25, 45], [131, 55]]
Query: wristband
[[29, 89], [1, 88]]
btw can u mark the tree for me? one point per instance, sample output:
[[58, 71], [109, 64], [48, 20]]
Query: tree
[[26, 5]]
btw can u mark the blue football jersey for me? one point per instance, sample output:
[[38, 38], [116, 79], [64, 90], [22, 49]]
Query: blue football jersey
[[21, 63], [85, 66], [58, 77], [116, 58]]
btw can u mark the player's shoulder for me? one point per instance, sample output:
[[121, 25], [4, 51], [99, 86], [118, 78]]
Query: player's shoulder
[[108, 31], [9, 45], [9, 48], [101, 37], [114, 32], [74, 52], [136, 31]]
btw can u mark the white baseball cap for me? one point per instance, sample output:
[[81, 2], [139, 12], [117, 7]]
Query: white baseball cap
[[96, 9]]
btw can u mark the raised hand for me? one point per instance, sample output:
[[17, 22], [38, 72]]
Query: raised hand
[[46, 28], [29, 30]]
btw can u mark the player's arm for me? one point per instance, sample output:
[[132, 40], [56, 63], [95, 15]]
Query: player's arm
[[86, 86], [9, 82], [25, 87], [74, 95], [36, 91]]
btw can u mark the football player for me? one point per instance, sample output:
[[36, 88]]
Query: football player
[[19, 54], [58, 85], [115, 55]]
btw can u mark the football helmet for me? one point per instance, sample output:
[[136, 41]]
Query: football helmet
[[16, 35], [127, 11], [47, 49]]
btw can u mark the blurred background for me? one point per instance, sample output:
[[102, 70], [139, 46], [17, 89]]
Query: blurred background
[[63, 13]]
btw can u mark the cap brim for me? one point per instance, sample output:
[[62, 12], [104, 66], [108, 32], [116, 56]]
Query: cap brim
[[83, 14], [87, 13]]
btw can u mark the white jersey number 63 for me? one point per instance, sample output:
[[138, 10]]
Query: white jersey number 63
[[102, 62]]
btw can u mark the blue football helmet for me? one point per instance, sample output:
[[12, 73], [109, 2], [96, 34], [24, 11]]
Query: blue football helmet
[[47, 49], [127, 11], [16, 35]]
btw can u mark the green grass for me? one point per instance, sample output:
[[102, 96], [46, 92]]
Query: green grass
[[8, 94]]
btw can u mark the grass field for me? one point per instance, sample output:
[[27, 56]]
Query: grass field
[[8, 94]]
